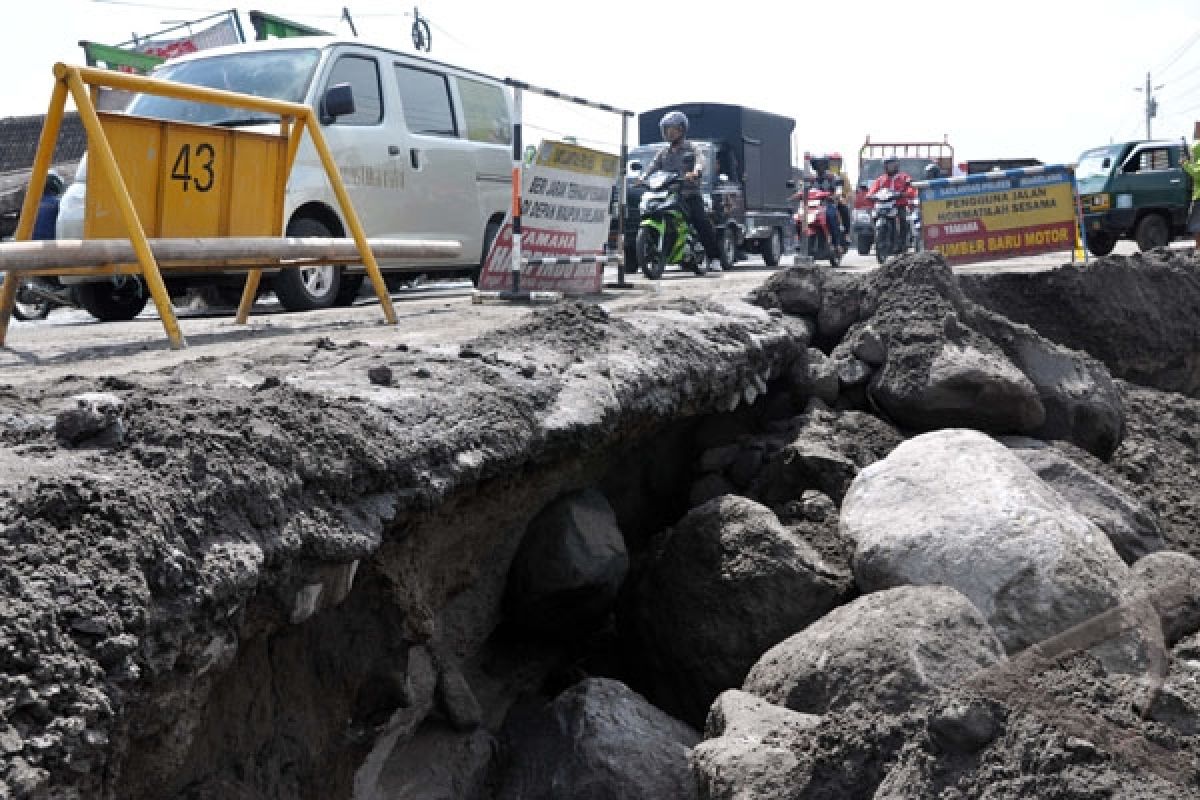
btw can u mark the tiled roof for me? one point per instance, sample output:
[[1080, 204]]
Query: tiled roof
[[19, 140]]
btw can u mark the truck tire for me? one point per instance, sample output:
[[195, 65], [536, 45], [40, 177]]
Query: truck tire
[[1101, 243], [1153, 231], [649, 255], [308, 288], [772, 249], [108, 302], [863, 243]]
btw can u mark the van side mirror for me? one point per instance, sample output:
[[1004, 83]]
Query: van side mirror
[[1106, 163], [634, 168], [791, 184], [337, 102]]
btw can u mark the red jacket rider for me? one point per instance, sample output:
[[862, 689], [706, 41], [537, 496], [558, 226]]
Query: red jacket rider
[[898, 182]]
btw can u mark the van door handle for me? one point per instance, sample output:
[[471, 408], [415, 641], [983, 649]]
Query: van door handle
[[393, 149], [414, 158]]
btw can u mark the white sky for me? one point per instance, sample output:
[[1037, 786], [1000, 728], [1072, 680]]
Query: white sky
[[1021, 78]]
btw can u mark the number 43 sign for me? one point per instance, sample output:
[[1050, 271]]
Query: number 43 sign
[[190, 180], [205, 160]]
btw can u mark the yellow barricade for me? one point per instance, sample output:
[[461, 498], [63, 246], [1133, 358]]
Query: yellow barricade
[[151, 178]]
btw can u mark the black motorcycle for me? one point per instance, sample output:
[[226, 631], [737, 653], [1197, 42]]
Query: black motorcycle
[[115, 300], [885, 215], [37, 297]]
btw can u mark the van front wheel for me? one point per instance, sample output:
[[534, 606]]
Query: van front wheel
[[308, 288]]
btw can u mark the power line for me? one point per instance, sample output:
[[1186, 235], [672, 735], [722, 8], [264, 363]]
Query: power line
[[1191, 71], [1179, 95], [158, 6], [1180, 52]]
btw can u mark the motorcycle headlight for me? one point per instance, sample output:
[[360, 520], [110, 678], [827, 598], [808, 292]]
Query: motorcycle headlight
[[862, 215]]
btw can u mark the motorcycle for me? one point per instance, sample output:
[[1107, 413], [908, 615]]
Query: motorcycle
[[37, 297], [663, 220], [117, 299], [914, 228], [885, 216], [812, 223]]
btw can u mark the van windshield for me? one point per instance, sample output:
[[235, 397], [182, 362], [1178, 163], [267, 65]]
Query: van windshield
[[277, 74], [1092, 172]]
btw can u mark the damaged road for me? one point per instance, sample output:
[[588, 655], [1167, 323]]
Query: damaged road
[[277, 564]]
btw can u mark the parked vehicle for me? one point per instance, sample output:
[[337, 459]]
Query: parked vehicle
[[124, 295], [1133, 190], [423, 147], [746, 186], [977, 166], [664, 236], [885, 217], [812, 222], [913, 158]]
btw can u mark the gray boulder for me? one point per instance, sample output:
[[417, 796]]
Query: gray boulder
[[569, 567], [842, 299], [958, 509], [1081, 401], [1171, 580], [727, 583], [826, 452], [750, 752], [925, 385], [795, 290], [1130, 526], [815, 375], [884, 650], [596, 741]]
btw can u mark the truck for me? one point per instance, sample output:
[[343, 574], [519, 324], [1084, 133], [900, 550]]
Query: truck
[[913, 157], [1133, 190], [980, 165], [746, 187]]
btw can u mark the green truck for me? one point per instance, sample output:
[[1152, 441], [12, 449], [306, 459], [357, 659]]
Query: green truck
[[1135, 190]]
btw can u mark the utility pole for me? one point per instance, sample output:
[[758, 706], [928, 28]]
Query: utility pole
[[1151, 103]]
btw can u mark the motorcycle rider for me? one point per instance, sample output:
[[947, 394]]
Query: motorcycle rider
[[900, 183], [835, 206], [685, 158], [47, 213]]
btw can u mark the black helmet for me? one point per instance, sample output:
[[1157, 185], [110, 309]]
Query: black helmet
[[890, 161], [55, 185], [673, 119], [932, 171]]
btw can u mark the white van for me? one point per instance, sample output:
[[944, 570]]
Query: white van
[[423, 148]]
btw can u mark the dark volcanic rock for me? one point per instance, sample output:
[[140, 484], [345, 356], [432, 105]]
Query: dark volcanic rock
[[1129, 525], [595, 741], [728, 582], [569, 568]]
